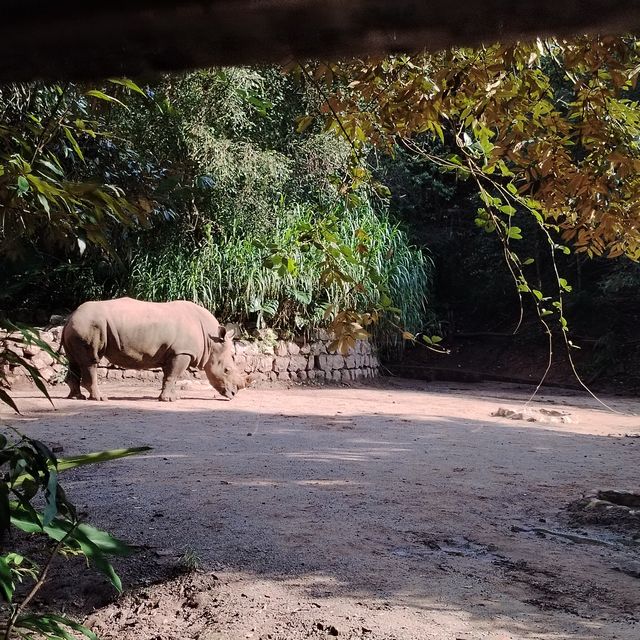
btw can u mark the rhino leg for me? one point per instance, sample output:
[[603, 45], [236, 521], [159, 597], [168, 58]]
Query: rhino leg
[[172, 371], [90, 381], [73, 380]]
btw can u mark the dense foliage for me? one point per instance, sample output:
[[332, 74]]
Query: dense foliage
[[534, 143], [69, 188], [215, 158], [550, 126], [276, 278], [546, 135], [54, 182]]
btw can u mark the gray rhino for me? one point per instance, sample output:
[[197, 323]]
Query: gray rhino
[[143, 335]]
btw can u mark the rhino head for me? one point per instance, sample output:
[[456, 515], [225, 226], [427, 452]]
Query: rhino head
[[221, 370]]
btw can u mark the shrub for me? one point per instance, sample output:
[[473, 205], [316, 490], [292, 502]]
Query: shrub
[[277, 277]]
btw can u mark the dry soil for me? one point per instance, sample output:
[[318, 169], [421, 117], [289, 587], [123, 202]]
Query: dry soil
[[403, 511]]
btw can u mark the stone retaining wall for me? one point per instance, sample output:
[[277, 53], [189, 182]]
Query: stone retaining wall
[[267, 359]]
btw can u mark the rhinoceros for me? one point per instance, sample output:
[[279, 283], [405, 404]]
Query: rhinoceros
[[143, 335]]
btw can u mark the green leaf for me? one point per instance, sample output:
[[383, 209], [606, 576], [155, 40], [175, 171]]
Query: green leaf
[[23, 184], [130, 84], [564, 285], [514, 233], [537, 294], [102, 540], [304, 297], [44, 202], [51, 493], [101, 95], [304, 123], [52, 626], [93, 543], [101, 456], [7, 399], [528, 261], [438, 129], [65, 464], [52, 167], [37, 380], [7, 585], [25, 520], [74, 143]]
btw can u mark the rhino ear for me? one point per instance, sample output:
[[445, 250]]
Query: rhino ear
[[230, 331], [223, 334]]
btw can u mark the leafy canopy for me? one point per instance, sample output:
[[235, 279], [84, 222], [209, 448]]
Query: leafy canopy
[[551, 126], [54, 180]]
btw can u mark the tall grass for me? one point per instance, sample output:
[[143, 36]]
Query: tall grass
[[227, 273]]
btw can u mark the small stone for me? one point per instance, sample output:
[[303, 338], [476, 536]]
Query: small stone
[[265, 364], [318, 348], [298, 363], [280, 364], [293, 348], [46, 358]]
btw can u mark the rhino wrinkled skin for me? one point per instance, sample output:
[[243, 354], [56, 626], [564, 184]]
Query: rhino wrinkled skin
[[143, 335]]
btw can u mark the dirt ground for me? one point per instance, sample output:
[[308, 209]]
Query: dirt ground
[[402, 511]]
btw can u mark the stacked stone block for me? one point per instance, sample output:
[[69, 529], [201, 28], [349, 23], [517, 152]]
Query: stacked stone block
[[280, 360]]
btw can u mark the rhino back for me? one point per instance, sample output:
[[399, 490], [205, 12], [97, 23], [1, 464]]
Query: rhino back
[[138, 334]]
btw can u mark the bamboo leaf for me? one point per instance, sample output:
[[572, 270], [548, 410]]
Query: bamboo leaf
[[129, 84], [101, 95]]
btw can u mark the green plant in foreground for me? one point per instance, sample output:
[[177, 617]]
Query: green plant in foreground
[[16, 337], [29, 472]]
